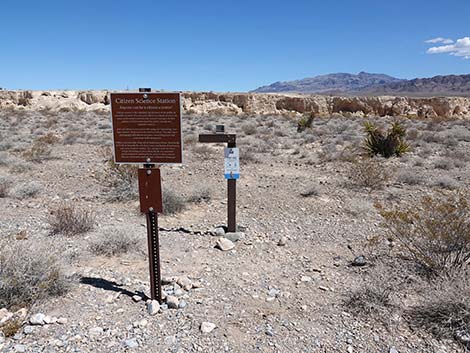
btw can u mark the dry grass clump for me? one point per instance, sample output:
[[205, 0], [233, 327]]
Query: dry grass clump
[[200, 194], [444, 309], [446, 182], [370, 173], [387, 144], [370, 300], [114, 243], [5, 184], [29, 272], [434, 232], [38, 152], [26, 190], [248, 128], [68, 220], [172, 202], [410, 178], [49, 139]]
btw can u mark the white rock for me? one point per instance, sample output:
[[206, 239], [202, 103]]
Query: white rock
[[28, 329], [306, 279], [95, 331], [20, 348], [62, 320], [172, 302], [393, 350], [131, 343], [224, 244], [37, 319], [153, 307], [207, 327], [136, 298]]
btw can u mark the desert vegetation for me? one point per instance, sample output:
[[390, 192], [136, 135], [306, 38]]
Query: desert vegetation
[[344, 227]]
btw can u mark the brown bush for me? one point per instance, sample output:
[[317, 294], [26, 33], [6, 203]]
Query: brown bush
[[370, 173], [68, 220], [38, 152]]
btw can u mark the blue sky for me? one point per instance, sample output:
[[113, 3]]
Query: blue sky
[[224, 45]]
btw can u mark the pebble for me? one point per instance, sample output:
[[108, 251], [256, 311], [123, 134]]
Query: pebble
[[207, 327], [172, 302], [136, 298], [393, 350], [305, 279], [95, 331], [62, 320], [234, 237], [359, 261], [131, 343], [182, 304], [20, 348], [224, 244], [282, 241], [219, 232], [28, 329], [37, 319], [323, 288], [185, 283], [153, 307]]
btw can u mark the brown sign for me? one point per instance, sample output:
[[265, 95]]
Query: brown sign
[[150, 190], [147, 127]]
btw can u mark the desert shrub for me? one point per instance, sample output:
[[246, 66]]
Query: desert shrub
[[113, 243], [247, 155], [200, 194], [5, 158], [443, 164], [72, 137], [38, 152], [29, 272], [190, 139], [370, 299], [446, 182], [26, 190], [434, 232], [5, 184], [120, 180], [68, 220], [249, 129], [203, 150], [387, 144], [370, 173], [410, 178], [172, 202], [48, 139], [444, 309]]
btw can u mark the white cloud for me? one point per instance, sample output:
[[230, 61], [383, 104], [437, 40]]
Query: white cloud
[[460, 48], [440, 40]]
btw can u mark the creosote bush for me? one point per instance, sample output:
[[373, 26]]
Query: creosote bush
[[200, 194], [29, 272], [68, 220], [114, 243], [370, 173], [435, 232], [305, 122], [120, 180], [387, 144], [172, 202]]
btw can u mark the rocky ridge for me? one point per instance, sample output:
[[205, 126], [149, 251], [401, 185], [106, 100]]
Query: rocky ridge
[[230, 104]]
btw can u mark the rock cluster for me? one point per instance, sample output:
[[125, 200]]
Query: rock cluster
[[252, 103]]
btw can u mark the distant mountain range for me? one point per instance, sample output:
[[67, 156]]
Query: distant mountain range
[[373, 84]]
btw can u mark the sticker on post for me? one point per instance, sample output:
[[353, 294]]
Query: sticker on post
[[232, 163]]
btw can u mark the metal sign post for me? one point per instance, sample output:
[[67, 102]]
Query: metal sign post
[[230, 139], [147, 130]]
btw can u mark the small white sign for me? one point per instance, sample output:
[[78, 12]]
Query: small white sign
[[232, 163]]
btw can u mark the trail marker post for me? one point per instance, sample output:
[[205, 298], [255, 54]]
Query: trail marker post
[[231, 156], [147, 130]]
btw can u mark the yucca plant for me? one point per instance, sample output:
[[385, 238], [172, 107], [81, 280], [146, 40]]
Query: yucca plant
[[387, 144]]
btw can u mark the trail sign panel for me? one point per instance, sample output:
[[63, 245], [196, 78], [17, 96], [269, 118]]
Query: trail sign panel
[[150, 190], [232, 163], [147, 128]]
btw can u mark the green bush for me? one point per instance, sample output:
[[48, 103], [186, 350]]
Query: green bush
[[387, 144]]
